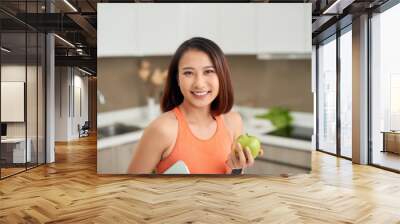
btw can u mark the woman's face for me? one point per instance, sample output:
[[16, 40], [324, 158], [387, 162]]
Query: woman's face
[[197, 78]]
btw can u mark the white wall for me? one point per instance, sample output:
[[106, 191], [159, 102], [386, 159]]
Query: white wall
[[12, 73], [80, 94], [82, 82], [33, 126], [12, 101], [67, 115], [61, 82]]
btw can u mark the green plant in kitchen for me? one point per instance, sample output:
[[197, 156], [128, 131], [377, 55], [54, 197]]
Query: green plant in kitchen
[[280, 117], [251, 142]]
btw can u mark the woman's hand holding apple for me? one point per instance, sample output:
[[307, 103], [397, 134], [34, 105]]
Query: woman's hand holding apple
[[241, 157]]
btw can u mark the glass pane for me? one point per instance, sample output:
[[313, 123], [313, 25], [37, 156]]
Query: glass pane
[[345, 94], [31, 100], [32, 84], [41, 98], [327, 97], [13, 87], [386, 89]]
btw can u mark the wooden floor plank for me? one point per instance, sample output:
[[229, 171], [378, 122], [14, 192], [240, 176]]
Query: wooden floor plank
[[70, 191]]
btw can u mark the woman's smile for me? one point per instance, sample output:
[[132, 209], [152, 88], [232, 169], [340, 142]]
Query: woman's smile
[[201, 94]]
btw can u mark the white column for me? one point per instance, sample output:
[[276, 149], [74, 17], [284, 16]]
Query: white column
[[50, 99], [360, 90]]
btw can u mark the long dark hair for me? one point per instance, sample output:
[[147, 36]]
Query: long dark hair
[[173, 97]]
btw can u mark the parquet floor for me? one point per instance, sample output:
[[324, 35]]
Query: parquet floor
[[9, 171], [70, 191]]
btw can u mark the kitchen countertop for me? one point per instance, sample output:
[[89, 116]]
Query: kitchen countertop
[[139, 117]]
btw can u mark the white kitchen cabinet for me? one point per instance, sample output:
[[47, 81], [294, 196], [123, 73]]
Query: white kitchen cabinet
[[116, 31], [150, 29], [160, 28], [283, 28], [201, 20], [237, 29], [231, 26]]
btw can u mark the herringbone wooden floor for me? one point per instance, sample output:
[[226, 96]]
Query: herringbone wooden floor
[[70, 191]]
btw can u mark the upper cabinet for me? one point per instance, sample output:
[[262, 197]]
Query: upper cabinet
[[237, 28], [159, 28], [218, 22], [283, 28], [116, 32], [150, 29], [201, 20]]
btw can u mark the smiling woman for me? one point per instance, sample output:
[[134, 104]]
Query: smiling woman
[[197, 130]]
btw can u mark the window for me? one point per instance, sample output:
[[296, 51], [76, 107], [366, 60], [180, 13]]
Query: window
[[346, 93], [327, 96], [385, 89]]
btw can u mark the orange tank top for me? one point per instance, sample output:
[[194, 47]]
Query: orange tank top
[[200, 156]]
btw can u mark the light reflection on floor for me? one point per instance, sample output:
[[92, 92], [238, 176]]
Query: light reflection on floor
[[386, 159]]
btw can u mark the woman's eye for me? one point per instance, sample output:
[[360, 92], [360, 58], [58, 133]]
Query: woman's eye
[[209, 71], [187, 73]]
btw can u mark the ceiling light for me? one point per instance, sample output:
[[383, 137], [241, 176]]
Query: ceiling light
[[338, 6], [84, 71], [70, 5], [331, 7], [5, 50], [65, 41]]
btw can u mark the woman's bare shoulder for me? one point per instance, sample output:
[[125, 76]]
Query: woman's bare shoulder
[[157, 137], [165, 124], [233, 118], [234, 123]]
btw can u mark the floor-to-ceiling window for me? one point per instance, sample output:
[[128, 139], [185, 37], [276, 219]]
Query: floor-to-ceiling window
[[385, 89], [22, 88], [327, 95], [383, 95], [334, 90], [345, 93]]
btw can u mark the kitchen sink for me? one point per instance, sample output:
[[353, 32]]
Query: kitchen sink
[[116, 129]]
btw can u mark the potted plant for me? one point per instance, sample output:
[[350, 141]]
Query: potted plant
[[280, 118]]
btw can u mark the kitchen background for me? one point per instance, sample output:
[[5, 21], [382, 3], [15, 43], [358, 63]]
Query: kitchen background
[[258, 83], [271, 70]]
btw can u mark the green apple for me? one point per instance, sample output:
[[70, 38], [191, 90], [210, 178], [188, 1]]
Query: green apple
[[251, 142]]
